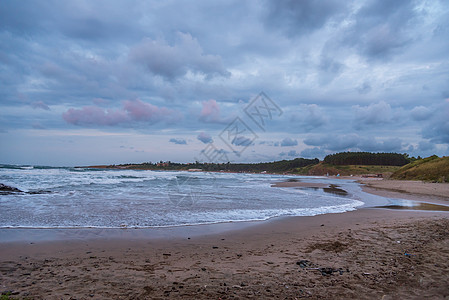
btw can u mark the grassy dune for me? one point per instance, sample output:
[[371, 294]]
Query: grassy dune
[[432, 168], [345, 170]]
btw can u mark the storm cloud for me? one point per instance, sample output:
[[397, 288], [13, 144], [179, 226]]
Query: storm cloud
[[348, 75]]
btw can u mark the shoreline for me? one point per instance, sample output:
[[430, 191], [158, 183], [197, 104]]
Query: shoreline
[[33, 234], [378, 253]]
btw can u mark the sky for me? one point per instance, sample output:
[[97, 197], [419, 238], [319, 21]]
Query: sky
[[109, 82]]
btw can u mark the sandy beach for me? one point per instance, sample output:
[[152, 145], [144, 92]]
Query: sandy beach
[[411, 189], [363, 254]]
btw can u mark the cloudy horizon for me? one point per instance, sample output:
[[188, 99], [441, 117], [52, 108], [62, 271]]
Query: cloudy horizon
[[109, 82]]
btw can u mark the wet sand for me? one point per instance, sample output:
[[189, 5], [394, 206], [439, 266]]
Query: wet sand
[[367, 253], [300, 184]]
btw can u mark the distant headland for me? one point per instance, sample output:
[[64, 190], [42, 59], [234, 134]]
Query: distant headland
[[394, 165]]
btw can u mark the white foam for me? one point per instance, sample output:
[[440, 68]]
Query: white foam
[[110, 198]]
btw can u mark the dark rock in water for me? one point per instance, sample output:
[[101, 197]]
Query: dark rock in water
[[38, 192], [6, 189]]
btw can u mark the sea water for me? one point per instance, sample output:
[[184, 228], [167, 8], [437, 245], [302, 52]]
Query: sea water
[[83, 198]]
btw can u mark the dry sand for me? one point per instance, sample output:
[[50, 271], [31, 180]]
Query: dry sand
[[364, 254], [389, 187]]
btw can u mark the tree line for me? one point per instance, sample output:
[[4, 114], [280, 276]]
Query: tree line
[[269, 167], [367, 158], [283, 166]]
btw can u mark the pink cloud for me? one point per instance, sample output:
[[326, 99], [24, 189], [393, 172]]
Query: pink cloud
[[133, 110], [210, 113], [93, 115], [141, 111]]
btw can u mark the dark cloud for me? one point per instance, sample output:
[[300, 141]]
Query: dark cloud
[[333, 142], [205, 138], [172, 62], [72, 19], [37, 125], [291, 153], [296, 18], [387, 145], [425, 146], [288, 142], [242, 141], [437, 129], [364, 88], [178, 141], [377, 67], [329, 69], [382, 28], [40, 104], [353, 142], [315, 152], [269, 143], [309, 117], [420, 113], [373, 114]]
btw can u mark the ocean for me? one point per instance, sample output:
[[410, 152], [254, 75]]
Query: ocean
[[94, 198]]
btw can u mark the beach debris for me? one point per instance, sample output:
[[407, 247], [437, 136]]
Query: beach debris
[[9, 293], [303, 263], [329, 271], [408, 254], [308, 265], [214, 247]]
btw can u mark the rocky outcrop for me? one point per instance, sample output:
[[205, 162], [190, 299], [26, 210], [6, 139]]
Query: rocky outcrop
[[6, 189]]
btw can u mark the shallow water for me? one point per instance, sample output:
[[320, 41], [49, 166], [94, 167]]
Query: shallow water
[[82, 198]]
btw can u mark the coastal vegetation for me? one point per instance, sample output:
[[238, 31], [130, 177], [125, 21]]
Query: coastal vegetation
[[367, 158], [345, 170], [282, 166], [396, 165], [433, 168]]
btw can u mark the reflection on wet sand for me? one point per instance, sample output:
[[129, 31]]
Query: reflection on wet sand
[[331, 189], [417, 206]]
